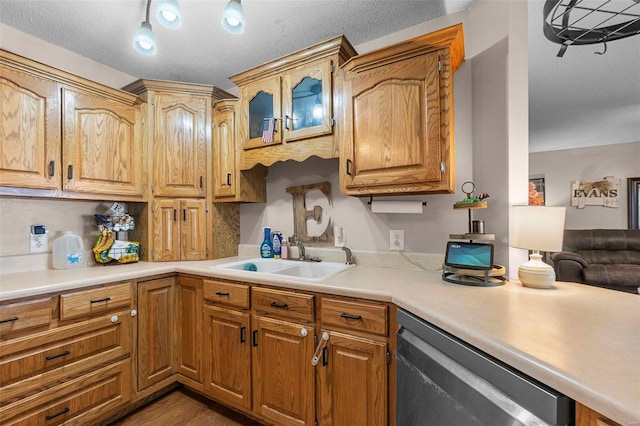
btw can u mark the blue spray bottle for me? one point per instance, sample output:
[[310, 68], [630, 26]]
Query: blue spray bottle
[[266, 248]]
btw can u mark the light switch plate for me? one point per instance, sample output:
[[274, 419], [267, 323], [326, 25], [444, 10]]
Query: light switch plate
[[339, 236]]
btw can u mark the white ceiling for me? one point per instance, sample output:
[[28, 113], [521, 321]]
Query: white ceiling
[[579, 100]]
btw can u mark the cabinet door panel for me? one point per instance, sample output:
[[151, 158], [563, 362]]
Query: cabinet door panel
[[224, 151], [189, 338], [353, 383], [102, 145], [283, 379], [252, 115], [396, 123], [180, 145], [228, 356], [308, 110], [166, 230], [156, 318], [29, 131], [192, 230]]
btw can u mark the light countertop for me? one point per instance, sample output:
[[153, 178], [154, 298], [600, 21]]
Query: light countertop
[[582, 341]]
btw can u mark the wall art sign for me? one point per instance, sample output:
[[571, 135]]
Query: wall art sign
[[595, 193]]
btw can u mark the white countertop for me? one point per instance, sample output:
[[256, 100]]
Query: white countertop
[[582, 341]]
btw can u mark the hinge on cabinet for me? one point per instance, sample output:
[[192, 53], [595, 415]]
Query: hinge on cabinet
[[333, 122], [143, 121], [206, 251], [153, 207], [388, 356], [315, 423], [439, 66], [331, 67], [153, 189], [206, 208], [442, 167]]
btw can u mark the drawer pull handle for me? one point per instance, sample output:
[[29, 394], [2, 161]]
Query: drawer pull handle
[[12, 319], [222, 293], [106, 299], [229, 179], [254, 338], [65, 353], [243, 334], [53, 416], [279, 305], [350, 316]]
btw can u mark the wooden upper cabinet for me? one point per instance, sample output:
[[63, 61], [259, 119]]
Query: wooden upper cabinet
[[179, 126], [260, 101], [297, 91], [29, 130], [180, 145], [229, 182], [179, 230], [102, 141], [307, 101], [397, 126]]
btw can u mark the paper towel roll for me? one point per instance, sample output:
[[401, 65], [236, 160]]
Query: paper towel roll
[[396, 206]]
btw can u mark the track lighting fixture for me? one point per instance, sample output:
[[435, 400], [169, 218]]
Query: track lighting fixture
[[168, 13], [144, 41], [233, 17]]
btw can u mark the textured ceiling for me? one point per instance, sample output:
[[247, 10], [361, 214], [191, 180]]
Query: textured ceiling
[[201, 51], [582, 99]]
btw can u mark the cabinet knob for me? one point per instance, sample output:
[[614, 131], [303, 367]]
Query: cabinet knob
[[303, 332], [114, 318], [134, 312]]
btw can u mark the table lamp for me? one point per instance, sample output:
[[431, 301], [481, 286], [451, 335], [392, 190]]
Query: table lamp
[[536, 228]]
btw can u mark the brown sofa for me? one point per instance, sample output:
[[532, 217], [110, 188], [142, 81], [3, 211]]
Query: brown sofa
[[608, 258]]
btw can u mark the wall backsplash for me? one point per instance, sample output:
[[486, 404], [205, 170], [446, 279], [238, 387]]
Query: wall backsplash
[[18, 214]]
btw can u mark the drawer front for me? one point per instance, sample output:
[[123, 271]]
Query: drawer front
[[225, 293], [83, 400], [95, 301], [31, 363], [25, 316], [358, 316], [283, 304]]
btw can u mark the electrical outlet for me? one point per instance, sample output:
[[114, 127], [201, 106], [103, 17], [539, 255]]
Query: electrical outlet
[[339, 236], [38, 240], [396, 239]]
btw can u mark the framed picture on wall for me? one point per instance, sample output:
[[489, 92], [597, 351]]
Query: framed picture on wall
[[536, 191]]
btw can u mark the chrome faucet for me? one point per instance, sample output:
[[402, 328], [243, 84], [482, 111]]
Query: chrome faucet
[[301, 254], [347, 251]]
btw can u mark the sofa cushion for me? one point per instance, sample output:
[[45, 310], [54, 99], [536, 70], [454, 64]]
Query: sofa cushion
[[605, 246], [622, 274]]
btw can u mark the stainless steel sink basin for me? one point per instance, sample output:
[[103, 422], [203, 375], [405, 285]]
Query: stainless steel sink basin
[[307, 271]]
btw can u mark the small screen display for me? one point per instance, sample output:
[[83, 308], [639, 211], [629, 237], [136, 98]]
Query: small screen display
[[469, 255]]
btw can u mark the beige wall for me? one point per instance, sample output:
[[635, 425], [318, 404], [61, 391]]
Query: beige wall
[[561, 167]]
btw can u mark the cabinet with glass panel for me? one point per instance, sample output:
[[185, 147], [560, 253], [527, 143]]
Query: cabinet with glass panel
[[286, 105]]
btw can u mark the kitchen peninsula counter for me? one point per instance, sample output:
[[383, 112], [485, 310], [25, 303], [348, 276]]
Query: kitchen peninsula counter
[[582, 341]]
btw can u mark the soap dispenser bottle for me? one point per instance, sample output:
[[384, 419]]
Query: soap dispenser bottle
[[266, 248]]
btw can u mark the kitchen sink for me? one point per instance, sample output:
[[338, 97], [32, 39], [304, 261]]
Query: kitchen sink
[[304, 270]]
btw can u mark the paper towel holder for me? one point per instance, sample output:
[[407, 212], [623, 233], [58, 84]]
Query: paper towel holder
[[424, 203]]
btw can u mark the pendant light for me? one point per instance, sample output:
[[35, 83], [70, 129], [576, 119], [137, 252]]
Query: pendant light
[[144, 41], [233, 17], [168, 13]]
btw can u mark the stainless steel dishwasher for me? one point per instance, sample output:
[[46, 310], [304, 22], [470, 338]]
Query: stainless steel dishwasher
[[444, 381]]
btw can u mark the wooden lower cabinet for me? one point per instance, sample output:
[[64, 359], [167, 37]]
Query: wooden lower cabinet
[[227, 354], [352, 377], [189, 327], [283, 377], [585, 416], [156, 322]]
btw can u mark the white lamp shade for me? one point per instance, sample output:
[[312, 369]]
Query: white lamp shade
[[233, 17], [536, 227], [144, 41], [168, 13]]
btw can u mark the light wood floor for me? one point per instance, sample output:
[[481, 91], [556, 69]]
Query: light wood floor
[[184, 408]]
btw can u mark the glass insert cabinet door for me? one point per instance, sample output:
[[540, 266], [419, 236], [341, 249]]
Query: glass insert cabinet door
[[260, 101], [307, 102]]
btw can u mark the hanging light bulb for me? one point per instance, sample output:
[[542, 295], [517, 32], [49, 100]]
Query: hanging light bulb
[[144, 41], [168, 13], [233, 17]]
